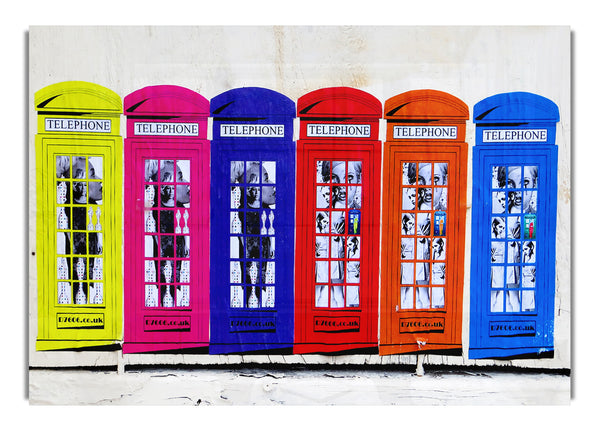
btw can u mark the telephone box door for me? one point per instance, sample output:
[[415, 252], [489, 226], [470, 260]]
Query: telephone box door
[[252, 221], [78, 174], [423, 227], [166, 211], [514, 226], [337, 242]]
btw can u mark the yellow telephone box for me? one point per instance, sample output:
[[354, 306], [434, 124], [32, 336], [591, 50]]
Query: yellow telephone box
[[78, 184]]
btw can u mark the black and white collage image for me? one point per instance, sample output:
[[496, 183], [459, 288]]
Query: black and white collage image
[[338, 201], [339, 184], [170, 183], [252, 222], [167, 238], [257, 184], [515, 189], [79, 214], [84, 175], [425, 186]]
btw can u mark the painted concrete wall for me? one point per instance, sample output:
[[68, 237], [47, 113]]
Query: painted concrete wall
[[470, 63]]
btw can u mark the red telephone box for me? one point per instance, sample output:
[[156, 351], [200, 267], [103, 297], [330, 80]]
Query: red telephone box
[[167, 194], [423, 222], [337, 216]]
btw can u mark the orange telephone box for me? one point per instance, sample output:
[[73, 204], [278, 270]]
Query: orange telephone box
[[423, 222]]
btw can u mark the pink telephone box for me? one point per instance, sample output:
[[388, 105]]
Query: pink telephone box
[[167, 194]]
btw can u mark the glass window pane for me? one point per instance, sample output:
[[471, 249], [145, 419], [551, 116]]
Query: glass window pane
[[237, 297], [438, 249], [95, 168], [529, 251], [235, 272], [409, 173], [528, 300], [498, 227], [322, 247], [337, 271], [321, 296], [497, 251], [498, 177], [497, 276], [269, 173], [407, 248], [498, 202], [252, 272], [64, 292], [322, 222], [437, 297], [268, 296], [513, 301], [167, 171], [530, 202], [323, 171], [337, 296], [80, 192], [353, 247], [352, 296], [166, 271], [438, 271], [253, 172], [323, 196], [354, 172], [530, 177], [79, 167], [514, 177], [322, 271], [237, 197], [497, 301], [151, 295], [151, 170], [440, 199], [407, 273], [424, 198], [408, 224], [338, 197], [63, 167], [422, 300], [183, 296], [253, 222], [268, 272], [237, 169], [167, 296], [183, 271], [253, 297], [406, 297], [423, 224], [528, 276], [183, 171], [338, 172], [409, 198], [353, 272], [440, 174], [424, 177]]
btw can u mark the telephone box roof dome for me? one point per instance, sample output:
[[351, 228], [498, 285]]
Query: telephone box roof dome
[[515, 107], [251, 102], [425, 104], [339, 102], [166, 99], [77, 97]]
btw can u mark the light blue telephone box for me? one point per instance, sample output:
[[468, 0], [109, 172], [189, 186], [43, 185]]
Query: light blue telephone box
[[513, 226]]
